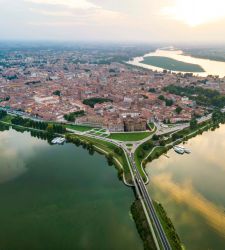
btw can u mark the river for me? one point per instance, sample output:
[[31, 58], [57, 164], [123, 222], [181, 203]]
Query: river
[[192, 190], [210, 67], [61, 197]]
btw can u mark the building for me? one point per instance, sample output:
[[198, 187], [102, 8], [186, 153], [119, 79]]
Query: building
[[135, 124], [116, 125]]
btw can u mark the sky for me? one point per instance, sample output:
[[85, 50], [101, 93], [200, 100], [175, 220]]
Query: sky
[[175, 21]]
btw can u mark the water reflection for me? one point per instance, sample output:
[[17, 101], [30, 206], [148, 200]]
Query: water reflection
[[191, 187], [65, 199], [186, 194], [13, 155]]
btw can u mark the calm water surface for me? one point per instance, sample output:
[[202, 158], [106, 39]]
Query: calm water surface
[[60, 197], [192, 190]]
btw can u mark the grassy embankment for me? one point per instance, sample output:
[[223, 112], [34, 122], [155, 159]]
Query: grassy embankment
[[112, 152], [133, 136]]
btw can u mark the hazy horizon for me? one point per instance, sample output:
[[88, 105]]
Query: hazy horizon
[[146, 21]]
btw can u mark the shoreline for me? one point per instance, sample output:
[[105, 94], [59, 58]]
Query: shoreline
[[211, 67], [93, 144]]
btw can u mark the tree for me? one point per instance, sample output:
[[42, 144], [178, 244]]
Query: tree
[[152, 90], [92, 101], [161, 97], [162, 143], [155, 137], [169, 102], [71, 117], [57, 92], [141, 154], [110, 159], [2, 114], [147, 146], [217, 116], [178, 109], [118, 151], [175, 137], [193, 123], [202, 96], [50, 129]]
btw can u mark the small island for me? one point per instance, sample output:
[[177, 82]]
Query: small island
[[171, 64]]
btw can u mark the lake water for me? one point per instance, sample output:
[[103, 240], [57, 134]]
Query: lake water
[[192, 190], [211, 67], [60, 197]]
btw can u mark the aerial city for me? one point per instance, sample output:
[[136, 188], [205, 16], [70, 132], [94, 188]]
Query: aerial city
[[112, 127]]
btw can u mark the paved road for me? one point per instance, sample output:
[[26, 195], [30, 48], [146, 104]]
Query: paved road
[[149, 205], [141, 191]]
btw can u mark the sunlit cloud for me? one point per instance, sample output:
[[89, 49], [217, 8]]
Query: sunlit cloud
[[145, 20], [187, 195], [196, 12], [73, 17], [51, 13]]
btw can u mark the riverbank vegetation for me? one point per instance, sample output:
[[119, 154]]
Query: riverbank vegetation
[[142, 225], [216, 54], [42, 135], [28, 123], [168, 227], [41, 130]]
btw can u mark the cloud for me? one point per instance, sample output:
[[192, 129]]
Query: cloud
[[194, 12], [73, 4], [74, 16], [187, 195], [135, 20], [51, 13]]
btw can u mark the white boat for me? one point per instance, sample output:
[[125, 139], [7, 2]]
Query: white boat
[[181, 150], [58, 140], [178, 150], [186, 150]]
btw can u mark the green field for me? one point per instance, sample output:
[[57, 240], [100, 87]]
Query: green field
[[171, 64], [129, 136], [78, 127]]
